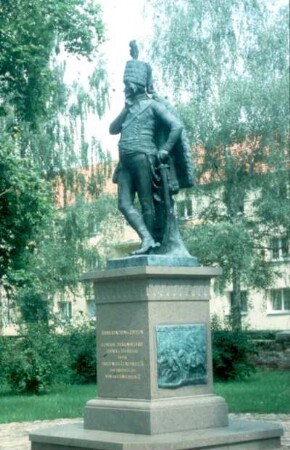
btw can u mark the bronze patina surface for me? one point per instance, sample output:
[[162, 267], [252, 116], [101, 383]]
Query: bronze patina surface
[[154, 162]]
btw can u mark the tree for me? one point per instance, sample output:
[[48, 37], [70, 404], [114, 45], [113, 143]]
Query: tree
[[66, 252], [44, 140], [31, 32], [24, 205], [226, 63]]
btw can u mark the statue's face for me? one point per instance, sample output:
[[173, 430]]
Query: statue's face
[[131, 89]]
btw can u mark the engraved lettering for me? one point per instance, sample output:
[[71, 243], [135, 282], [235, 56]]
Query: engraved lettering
[[122, 332], [122, 353]]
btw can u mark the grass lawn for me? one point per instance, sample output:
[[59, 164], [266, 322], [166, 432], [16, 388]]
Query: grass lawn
[[61, 402], [263, 392]]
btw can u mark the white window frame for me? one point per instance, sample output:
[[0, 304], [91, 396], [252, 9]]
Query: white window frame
[[92, 310], [281, 310], [65, 310], [282, 243]]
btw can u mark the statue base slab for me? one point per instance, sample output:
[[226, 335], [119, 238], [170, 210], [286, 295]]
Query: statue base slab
[[239, 435], [153, 260]]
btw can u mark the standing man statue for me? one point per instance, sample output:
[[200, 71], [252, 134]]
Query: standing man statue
[[154, 161]]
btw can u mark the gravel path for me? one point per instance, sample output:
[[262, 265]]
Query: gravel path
[[15, 435]]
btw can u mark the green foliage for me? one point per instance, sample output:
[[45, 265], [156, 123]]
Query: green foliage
[[36, 360], [231, 355], [43, 250], [3, 352], [25, 206], [45, 152], [40, 358], [33, 306], [264, 335], [228, 62], [234, 246], [28, 41], [81, 341], [65, 250]]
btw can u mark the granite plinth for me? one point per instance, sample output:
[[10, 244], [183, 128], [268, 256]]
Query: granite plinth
[[132, 304], [239, 435], [156, 416], [152, 260]]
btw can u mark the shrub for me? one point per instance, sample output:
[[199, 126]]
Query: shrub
[[33, 306], [81, 341], [3, 354], [232, 355], [36, 359], [262, 334]]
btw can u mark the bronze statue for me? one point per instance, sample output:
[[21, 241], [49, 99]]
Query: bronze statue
[[154, 161]]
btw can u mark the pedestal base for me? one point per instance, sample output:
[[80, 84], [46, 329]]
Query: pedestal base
[[156, 416], [239, 435]]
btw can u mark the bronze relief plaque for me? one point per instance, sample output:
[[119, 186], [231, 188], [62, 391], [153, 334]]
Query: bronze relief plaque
[[181, 355]]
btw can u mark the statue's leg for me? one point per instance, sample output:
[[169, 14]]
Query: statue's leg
[[144, 189], [143, 186], [126, 193]]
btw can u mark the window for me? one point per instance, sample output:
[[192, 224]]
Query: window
[[88, 290], [184, 208], [280, 248], [90, 301], [7, 310], [244, 301], [280, 300], [92, 309], [65, 310]]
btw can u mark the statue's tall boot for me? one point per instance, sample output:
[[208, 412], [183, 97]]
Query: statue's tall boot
[[148, 243]]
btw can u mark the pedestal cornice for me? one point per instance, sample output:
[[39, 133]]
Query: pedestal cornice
[[152, 271]]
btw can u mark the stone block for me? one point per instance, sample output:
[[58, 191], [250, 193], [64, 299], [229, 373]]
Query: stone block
[[156, 416], [239, 435]]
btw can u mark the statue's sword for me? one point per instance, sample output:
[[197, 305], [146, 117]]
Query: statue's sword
[[164, 172]]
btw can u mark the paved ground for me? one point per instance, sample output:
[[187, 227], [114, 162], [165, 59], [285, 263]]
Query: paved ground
[[15, 435]]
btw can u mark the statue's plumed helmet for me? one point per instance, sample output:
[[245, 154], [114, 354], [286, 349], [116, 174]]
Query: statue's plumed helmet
[[138, 72]]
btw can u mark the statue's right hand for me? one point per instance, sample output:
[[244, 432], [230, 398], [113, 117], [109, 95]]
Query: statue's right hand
[[163, 155]]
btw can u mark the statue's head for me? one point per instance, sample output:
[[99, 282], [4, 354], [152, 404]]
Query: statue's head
[[138, 74]]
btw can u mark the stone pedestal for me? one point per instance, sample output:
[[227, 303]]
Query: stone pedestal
[[155, 366], [136, 306]]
